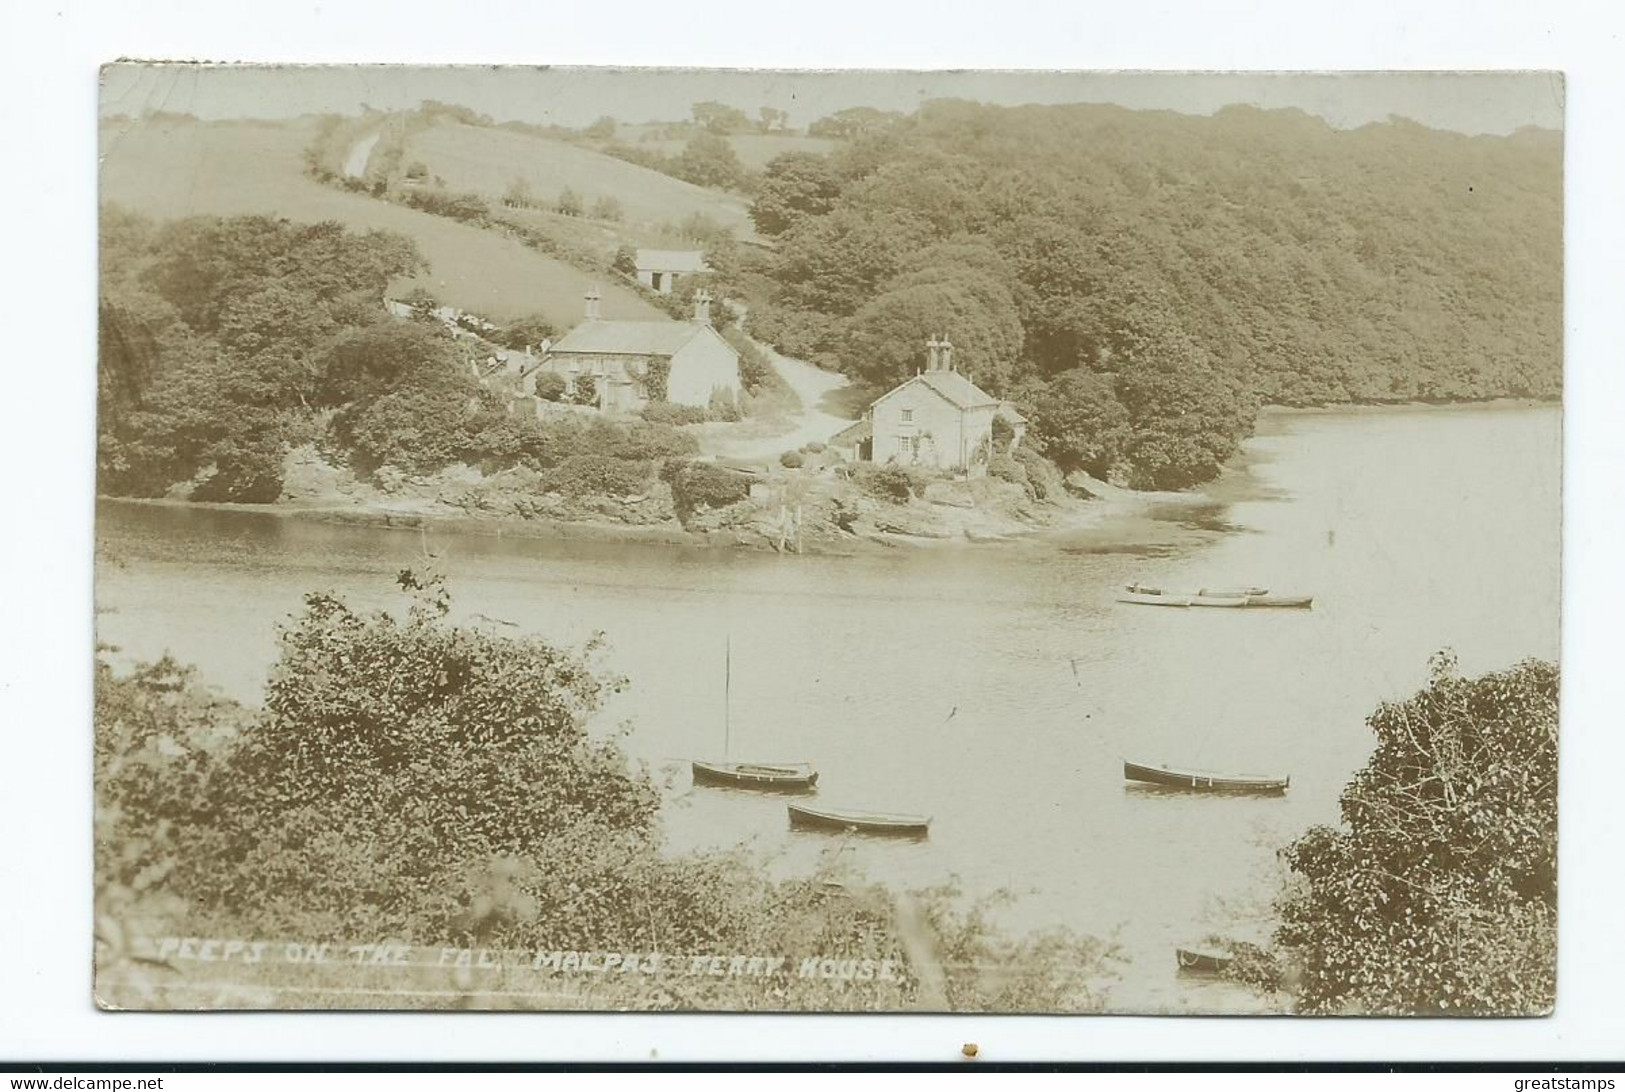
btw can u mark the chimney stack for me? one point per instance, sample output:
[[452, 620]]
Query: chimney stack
[[702, 307], [592, 304], [932, 357], [946, 348]]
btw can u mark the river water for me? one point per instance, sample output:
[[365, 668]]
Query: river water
[[994, 688]]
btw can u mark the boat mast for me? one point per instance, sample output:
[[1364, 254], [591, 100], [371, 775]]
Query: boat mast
[[727, 694]]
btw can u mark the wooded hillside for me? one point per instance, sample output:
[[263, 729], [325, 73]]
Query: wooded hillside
[[1123, 274]]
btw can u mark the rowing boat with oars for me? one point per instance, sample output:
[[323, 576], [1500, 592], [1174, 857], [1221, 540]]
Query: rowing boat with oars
[[859, 822], [1204, 780], [771, 776], [1203, 960]]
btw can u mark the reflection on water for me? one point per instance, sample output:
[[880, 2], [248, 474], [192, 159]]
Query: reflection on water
[[1202, 516], [996, 690]]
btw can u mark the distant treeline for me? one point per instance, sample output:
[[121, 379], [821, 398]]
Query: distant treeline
[[1140, 281]]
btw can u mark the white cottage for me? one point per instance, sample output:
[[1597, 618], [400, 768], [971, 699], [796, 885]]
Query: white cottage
[[938, 418], [629, 364]]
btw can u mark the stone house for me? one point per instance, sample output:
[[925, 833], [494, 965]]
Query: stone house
[[939, 419], [630, 364], [659, 269]]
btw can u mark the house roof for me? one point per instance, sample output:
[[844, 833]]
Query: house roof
[[627, 338], [950, 385], [855, 433], [672, 261]]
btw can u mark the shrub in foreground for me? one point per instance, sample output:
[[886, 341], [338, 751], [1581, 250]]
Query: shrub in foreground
[[435, 783], [894, 484], [1438, 894]]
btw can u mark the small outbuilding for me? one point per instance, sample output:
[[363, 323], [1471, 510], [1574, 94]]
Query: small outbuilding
[[660, 269]]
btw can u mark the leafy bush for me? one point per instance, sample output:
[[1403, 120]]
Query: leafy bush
[[1006, 468], [722, 406], [674, 413], [569, 203], [791, 460], [597, 476], [470, 208], [696, 486], [756, 371], [418, 429], [813, 447], [1044, 481], [1438, 894], [529, 331], [894, 484], [550, 386], [637, 440]]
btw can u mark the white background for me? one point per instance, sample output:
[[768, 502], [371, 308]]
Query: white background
[[47, 374]]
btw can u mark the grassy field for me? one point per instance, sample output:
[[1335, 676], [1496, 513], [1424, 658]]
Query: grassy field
[[171, 169], [486, 161]]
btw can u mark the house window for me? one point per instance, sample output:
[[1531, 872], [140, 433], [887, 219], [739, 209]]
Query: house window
[[905, 445], [908, 417]]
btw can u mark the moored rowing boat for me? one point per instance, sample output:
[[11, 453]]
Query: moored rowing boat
[[1202, 961], [1285, 602], [1219, 601], [1212, 593], [1158, 600], [772, 776], [860, 822], [1205, 780]]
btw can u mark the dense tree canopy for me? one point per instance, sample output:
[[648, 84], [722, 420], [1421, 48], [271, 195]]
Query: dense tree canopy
[[223, 342], [213, 330], [794, 185], [1203, 264]]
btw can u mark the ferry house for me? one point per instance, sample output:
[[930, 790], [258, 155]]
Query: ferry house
[[939, 418]]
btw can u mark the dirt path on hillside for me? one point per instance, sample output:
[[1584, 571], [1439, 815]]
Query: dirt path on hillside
[[355, 164], [826, 408]]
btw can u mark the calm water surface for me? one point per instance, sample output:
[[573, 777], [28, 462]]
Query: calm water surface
[[995, 689]]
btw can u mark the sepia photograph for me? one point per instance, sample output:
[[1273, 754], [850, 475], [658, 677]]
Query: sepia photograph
[[860, 541]]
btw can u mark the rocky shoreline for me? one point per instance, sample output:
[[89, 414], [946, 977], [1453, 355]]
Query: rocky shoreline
[[814, 513]]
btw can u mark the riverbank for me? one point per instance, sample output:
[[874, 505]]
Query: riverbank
[[822, 509], [1386, 408], [913, 526]]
